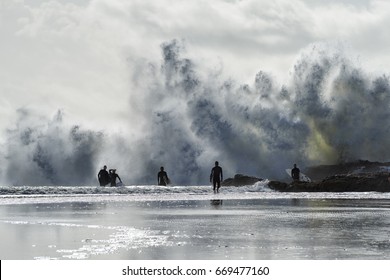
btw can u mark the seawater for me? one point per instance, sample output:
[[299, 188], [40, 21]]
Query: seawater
[[191, 222]]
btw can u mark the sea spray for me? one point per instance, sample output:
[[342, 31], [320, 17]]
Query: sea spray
[[42, 151], [185, 118]]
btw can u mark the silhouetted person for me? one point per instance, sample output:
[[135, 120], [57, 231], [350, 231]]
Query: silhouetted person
[[103, 176], [113, 177], [216, 177], [295, 172], [162, 177]]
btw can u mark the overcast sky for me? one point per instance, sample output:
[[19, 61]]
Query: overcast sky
[[78, 55]]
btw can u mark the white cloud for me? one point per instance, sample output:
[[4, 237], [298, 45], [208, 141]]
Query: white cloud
[[68, 51]]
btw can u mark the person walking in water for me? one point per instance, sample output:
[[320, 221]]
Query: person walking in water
[[295, 173], [103, 176], [113, 177], [162, 177], [216, 177]]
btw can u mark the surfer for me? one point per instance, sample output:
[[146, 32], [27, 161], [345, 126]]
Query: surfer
[[295, 173], [113, 177], [216, 177], [162, 177], [103, 176]]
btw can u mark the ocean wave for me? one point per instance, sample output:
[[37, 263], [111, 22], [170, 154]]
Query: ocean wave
[[261, 186], [10, 195]]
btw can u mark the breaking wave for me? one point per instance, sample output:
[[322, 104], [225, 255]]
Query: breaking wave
[[329, 111], [25, 191]]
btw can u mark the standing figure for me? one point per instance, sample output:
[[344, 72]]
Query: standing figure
[[113, 177], [103, 176], [162, 177], [295, 173], [216, 177]]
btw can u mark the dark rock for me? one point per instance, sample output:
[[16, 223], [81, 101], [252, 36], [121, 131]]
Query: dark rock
[[278, 186], [362, 182], [240, 180], [319, 172]]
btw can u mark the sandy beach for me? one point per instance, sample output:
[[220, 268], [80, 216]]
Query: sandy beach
[[210, 227]]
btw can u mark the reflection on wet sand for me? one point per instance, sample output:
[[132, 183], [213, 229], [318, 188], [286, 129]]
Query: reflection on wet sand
[[240, 229], [216, 203]]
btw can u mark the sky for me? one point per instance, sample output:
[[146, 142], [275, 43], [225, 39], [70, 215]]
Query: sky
[[106, 70]]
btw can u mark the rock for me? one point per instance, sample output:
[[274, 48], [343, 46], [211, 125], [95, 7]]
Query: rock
[[357, 167], [240, 180], [362, 182], [278, 186]]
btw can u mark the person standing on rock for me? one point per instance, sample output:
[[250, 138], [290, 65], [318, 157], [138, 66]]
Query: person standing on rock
[[216, 177], [295, 173]]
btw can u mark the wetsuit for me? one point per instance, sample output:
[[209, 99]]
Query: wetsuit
[[162, 178], [113, 177], [104, 177], [295, 173], [216, 176]]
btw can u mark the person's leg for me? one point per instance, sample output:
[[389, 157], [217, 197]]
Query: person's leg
[[218, 185]]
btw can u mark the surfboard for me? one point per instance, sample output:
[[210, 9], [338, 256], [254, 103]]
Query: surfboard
[[166, 180], [302, 177]]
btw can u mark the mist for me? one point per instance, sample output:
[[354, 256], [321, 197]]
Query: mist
[[184, 115], [41, 151]]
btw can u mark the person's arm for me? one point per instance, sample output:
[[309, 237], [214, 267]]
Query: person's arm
[[221, 175], [211, 174]]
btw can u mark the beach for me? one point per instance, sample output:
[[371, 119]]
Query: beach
[[229, 225]]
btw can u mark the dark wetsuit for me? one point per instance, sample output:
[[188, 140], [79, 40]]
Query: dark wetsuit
[[162, 178], [216, 176], [113, 177], [104, 177], [295, 173]]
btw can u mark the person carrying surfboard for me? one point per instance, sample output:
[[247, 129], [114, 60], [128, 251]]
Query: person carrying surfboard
[[113, 177], [295, 173], [216, 176], [162, 177], [103, 176]]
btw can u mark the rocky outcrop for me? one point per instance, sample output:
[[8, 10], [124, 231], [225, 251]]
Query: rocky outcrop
[[319, 172], [359, 176], [361, 182], [240, 180]]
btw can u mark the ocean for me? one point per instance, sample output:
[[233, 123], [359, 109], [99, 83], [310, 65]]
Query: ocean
[[191, 222]]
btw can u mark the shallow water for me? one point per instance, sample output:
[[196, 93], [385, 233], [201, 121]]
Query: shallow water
[[193, 225]]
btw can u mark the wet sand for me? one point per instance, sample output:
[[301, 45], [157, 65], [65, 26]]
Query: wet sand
[[291, 229]]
